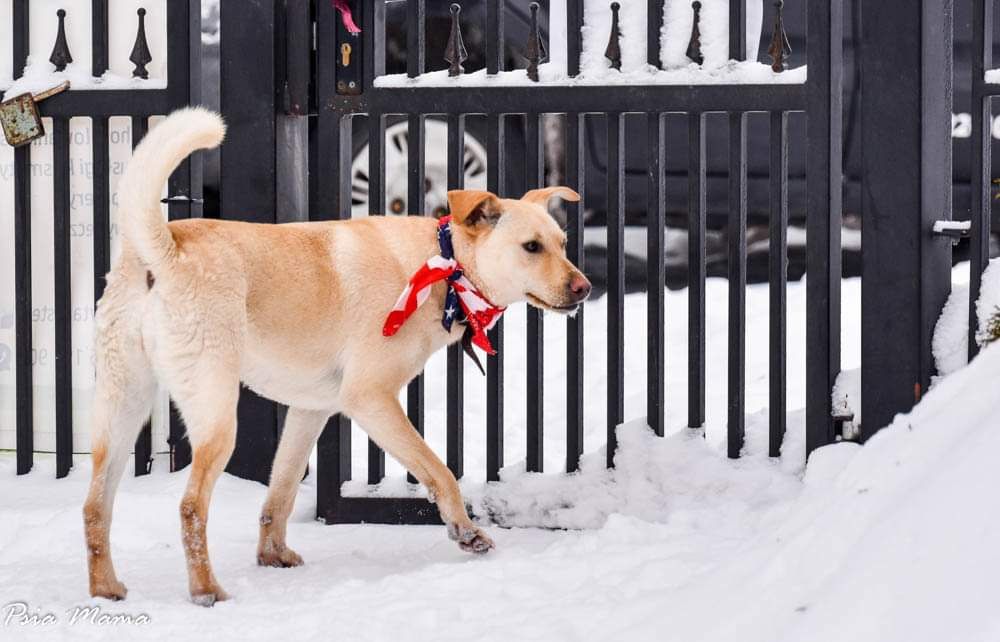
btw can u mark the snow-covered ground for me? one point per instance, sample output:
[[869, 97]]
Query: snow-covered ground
[[893, 541]]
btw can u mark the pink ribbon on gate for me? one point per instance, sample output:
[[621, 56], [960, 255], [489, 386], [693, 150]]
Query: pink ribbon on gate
[[346, 17]]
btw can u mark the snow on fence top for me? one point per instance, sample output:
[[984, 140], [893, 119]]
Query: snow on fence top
[[123, 34], [596, 69]]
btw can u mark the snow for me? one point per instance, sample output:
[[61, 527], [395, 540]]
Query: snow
[[39, 76], [943, 226], [847, 395], [890, 541], [950, 343], [886, 542]]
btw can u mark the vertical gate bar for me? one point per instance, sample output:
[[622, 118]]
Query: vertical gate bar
[[656, 144], [100, 149], [535, 348], [144, 443], [415, 53], [374, 65], [373, 32], [24, 392], [979, 250], [654, 25], [99, 36], [778, 280], [63, 300], [415, 205], [616, 280], [737, 244], [494, 37], [737, 30], [376, 206], [823, 218], [332, 143], [737, 281], [697, 218], [415, 38], [102, 205], [574, 37], [576, 162], [495, 182], [455, 420], [185, 184]]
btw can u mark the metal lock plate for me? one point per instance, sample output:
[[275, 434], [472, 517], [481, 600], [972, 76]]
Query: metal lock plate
[[20, 118], [21, 121]]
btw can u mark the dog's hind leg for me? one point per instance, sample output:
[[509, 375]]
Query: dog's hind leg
[[302, 428], [385, 422], [123, 397], [207, 400]]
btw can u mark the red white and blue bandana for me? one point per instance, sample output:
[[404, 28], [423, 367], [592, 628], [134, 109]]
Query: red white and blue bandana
[[462, 303]]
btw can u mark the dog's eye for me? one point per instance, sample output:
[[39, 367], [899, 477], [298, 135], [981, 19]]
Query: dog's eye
[[532, 247]]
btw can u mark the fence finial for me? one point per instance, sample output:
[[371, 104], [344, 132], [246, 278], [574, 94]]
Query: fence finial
[[614, 50], [535, 51], [780, 48], [60, 52], [140, 51], [455, 53], [694, 46]]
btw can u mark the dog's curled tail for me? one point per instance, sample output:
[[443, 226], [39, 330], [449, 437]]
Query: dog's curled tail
[[157, 156]]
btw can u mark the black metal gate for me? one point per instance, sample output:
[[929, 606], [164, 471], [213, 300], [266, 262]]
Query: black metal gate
[[346, 86], [292, 108]]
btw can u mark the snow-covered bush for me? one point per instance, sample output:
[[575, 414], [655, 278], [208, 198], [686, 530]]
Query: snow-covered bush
[[990, 331]]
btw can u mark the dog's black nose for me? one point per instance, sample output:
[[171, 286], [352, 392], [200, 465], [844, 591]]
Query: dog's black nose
[[579, 287]]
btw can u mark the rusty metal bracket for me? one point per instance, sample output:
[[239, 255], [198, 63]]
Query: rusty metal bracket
[[20, 119]]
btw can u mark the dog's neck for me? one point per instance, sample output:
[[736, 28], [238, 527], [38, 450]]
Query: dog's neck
[[464, 244]]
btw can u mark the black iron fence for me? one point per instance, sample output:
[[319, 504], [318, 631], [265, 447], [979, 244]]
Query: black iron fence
[[99, 105], [314, 91]]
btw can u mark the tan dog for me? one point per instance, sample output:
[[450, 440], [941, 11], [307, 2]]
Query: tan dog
[[294, 312]]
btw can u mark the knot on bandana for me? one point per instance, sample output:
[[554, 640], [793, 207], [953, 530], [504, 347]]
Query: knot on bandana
[[463, 302]]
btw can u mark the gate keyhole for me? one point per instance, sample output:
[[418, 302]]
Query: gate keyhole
[[345, 54]]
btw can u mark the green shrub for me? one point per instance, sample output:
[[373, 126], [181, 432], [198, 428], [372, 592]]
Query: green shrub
[[991, 331]]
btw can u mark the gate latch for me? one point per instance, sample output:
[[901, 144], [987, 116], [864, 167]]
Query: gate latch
[[20, 118], [955, 230]]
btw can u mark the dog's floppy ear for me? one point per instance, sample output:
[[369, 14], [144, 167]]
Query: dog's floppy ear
[[473, 207], [542, 196]]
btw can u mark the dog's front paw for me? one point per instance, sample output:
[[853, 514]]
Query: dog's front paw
[[111, 590], [470, 539]]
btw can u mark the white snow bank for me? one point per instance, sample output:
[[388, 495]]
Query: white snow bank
[[893, 541], [950, 344]]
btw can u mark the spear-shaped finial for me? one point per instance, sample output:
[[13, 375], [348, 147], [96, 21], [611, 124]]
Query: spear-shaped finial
[[614, 50], [140, 51], [694, 46], [60, 52], [455, 53], [535, 51], [780, 48]]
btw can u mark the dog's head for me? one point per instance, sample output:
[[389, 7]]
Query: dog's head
[[515, 249]]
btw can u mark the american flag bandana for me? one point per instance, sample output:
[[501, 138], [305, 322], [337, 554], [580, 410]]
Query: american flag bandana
[[462, 303]]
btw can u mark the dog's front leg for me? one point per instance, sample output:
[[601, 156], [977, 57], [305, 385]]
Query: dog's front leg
[[385, 422]]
